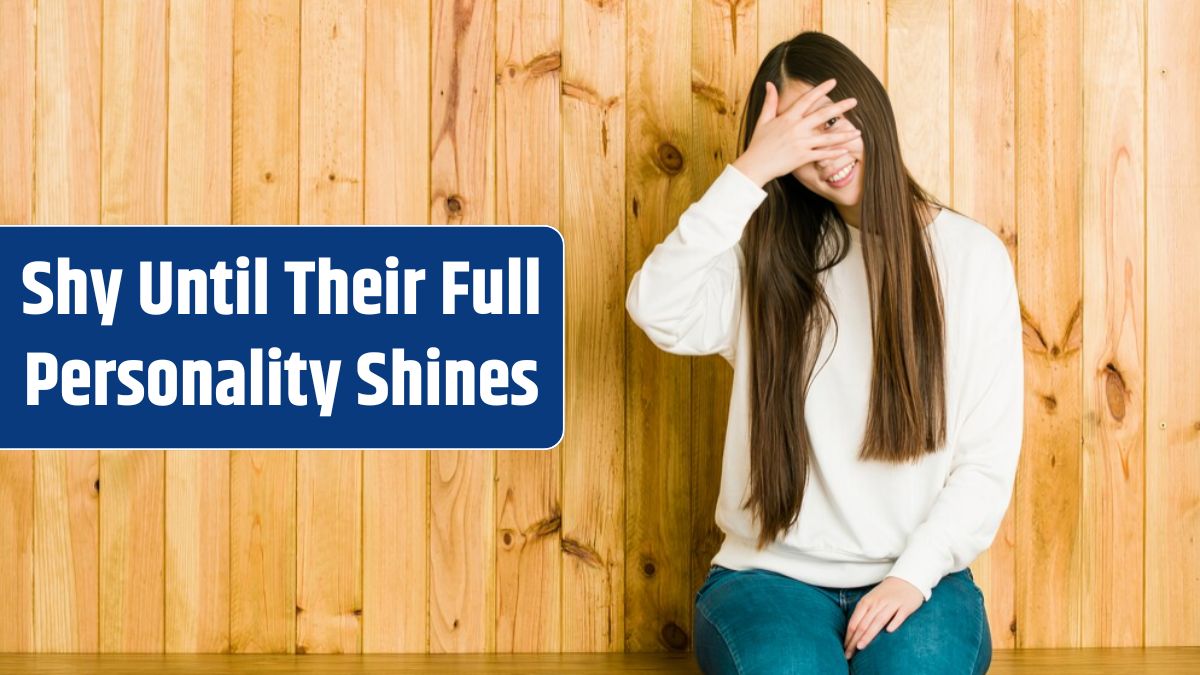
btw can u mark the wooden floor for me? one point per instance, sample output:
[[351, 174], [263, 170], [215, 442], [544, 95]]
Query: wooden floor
[[1165, 661]]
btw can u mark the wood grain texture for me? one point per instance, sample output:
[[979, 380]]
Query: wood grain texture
[[134, 112], [332, 63], [918, 65], [329, 482], [131, 551], [66, 551], [724, 61], [593, 447], [199, 112], [983, 165], [396, 186], [196, 572], [67, 142], [1050, 279], [266, 111], [262, 551], [862, 26], [396, 190], [1113, 210], [659, 449], [16, 553], [1172, 325], [262, 483], [780, 20], [67, 191], [18, 73], [528, 191], [462, 490]]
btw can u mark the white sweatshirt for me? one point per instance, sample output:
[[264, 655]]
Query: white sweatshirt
[[859, 521]]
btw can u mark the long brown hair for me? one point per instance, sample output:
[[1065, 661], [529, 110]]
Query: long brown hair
[[786, 247]]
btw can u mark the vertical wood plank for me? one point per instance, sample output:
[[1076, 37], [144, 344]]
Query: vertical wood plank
[[1113, 209], [196, 613], [658, 559], [1048, 215], [131, 551], [67, 190], [199, 119], [133, 183], [593, 488], [462, 561], [134, 108], [528, 504], [780, 20], [266, 111], [266, 158], [983, 162], [17, 108], [67, 144], [724, 60], [918, 65], [329, 482], [861, 26], [396, 191], [66, 550], [262, 551], [200, 112], [328, 552], [16, 206], [16, 550], [332, 61], [1173, 325]]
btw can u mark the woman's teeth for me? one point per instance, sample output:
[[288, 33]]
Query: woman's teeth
[[842, 174]]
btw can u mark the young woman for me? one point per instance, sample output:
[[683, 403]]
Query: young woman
[[876, 413]]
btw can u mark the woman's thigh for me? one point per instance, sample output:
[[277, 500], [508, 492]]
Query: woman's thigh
[[947, 634], [754, 621]]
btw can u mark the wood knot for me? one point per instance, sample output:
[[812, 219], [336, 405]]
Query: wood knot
[[269, 177], [301, 649], [332, 177], [358, 611], [648, 568], [1051, 402], [670, 159], [674, 637], [454, 204], [1114, 388], [1012, 627], [96, 485], [507, 537]]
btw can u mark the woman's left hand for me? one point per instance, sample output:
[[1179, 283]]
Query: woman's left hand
[[892, 599]]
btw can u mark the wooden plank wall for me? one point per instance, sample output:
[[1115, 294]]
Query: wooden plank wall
[[1066, 126]]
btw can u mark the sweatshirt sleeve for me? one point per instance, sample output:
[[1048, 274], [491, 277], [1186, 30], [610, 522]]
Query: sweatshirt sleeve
[[687, 294], [967, 512]]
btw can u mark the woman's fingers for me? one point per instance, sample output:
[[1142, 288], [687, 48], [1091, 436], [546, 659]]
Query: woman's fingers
[[805, 102], [827, 111], [770, 107], [836, 137], [873, 628]]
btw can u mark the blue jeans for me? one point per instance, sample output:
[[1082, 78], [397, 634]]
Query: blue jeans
[[755, 621]]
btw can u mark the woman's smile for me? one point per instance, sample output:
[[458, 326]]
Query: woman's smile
[[843, 176]]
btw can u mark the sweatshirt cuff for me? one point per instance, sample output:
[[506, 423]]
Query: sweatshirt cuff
[[920, 566], [731, 200]]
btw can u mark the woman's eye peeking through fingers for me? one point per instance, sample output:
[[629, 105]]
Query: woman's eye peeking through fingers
[[831, 121]]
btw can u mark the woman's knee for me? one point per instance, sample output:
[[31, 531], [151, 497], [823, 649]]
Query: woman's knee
[[759, 622], [948, 634]]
